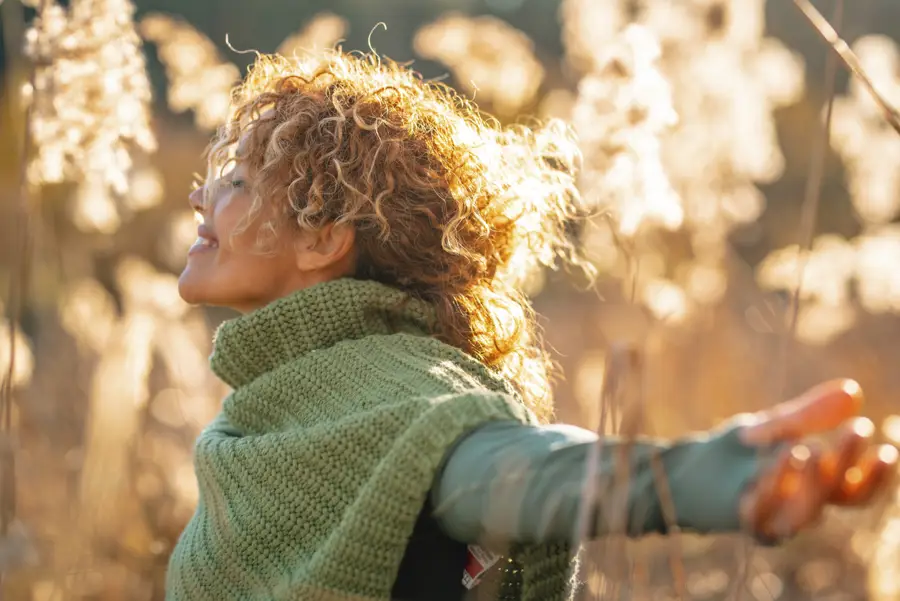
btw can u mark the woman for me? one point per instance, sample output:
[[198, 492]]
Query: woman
[[383, 438]]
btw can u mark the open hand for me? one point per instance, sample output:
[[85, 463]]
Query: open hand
[[848, 469]]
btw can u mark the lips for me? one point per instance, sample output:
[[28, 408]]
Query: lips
[[206, 240]]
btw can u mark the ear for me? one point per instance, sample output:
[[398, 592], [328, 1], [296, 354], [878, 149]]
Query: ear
[[330, 248]]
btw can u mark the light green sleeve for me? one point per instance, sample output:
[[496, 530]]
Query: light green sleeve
[[507, 481]]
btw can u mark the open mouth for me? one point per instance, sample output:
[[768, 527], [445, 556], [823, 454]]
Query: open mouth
[[205, 241]]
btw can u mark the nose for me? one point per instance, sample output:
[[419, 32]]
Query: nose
[[196, 198]]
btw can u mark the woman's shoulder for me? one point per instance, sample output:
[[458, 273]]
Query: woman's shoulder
[[422, 359], [381, 375], [381, 368]]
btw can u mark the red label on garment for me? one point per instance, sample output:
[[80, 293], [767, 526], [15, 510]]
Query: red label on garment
[[478, 562]]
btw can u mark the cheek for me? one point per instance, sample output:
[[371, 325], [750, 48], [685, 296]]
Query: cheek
[[244, 254], [239, 272], [235, 235], [252, 254], [254, 238]]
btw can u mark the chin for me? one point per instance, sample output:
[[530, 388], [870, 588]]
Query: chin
[[191, 290], [196, 287]]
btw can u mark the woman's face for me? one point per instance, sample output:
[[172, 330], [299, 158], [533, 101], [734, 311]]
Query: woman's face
[[225, 265]]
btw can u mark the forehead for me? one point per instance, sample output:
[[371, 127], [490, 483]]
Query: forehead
[[254, 133]]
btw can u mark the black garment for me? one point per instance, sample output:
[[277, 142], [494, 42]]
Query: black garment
[[432, 567]]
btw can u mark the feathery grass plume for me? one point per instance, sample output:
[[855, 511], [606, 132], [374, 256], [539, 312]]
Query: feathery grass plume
[[850, 60], [90, 106], [95, 208], [726, 80], [145, 190], [24, 359], [622, 109], [876, 274], [120, 480], [199, 80], [825, 289], [88, 313], [488, 57], [155, 330], [322, 32], [868, 145], [621, 113], [839, 275], [870, 149], [119, 391], [587, 27]]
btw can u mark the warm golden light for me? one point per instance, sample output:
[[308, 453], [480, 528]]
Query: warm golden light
[[199, 79], [322, 32], [891, 428], [491, 61], [888, 454], [686, 112], [89, 103]]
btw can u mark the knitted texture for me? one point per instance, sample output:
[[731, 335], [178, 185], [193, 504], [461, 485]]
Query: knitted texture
[[312, 476]]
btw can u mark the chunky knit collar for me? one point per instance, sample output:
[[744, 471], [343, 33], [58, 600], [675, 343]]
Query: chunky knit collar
[[312, 319]]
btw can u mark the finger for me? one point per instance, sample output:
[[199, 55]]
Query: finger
[[867, 478], [852, 442], [801, 503], [821, 408], [761, 501]]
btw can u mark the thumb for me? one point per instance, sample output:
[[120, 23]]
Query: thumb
[[819, 409]]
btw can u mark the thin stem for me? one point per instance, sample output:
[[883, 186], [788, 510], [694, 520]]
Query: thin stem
[[848, 57], [811, 202]]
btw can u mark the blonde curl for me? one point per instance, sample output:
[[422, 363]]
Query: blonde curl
[[447, 204]]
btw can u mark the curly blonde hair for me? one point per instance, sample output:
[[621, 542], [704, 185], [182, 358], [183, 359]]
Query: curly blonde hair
[[447, 204]]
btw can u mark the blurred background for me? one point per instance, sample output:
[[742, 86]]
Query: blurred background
[[699, 122]]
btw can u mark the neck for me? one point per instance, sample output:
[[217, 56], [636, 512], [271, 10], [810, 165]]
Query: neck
[[311, 319], [289, 287]]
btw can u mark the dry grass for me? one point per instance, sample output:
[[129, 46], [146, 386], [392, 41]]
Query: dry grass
[[676, 113]]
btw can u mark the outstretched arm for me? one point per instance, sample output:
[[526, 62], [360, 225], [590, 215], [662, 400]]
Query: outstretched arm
[[509, 482], [514, 482]]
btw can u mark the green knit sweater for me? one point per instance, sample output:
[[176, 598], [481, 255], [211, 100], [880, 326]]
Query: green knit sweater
[[313, 475]]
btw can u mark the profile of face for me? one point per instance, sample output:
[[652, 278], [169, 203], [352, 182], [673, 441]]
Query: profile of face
[[227, 267]]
